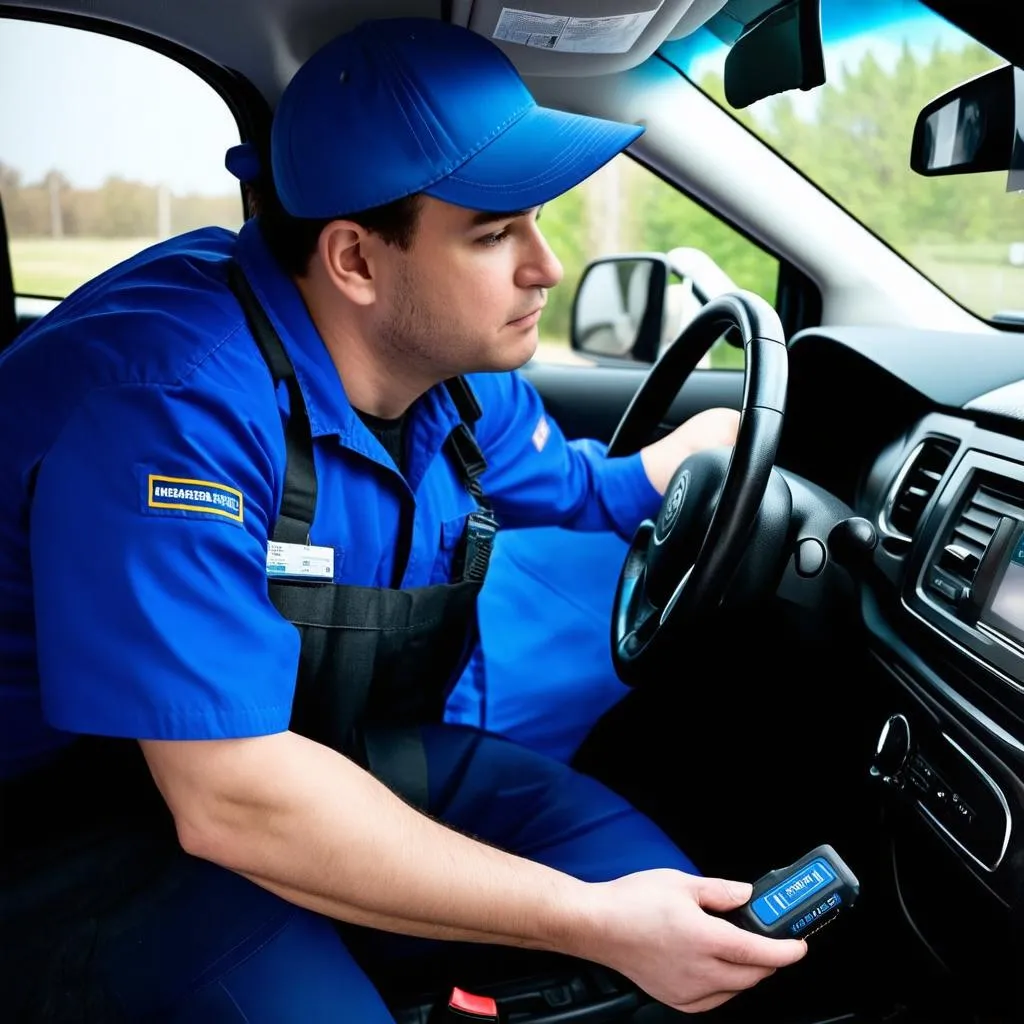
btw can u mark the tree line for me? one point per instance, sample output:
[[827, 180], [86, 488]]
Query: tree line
[[856, 146], [55, 208], [854, 143]]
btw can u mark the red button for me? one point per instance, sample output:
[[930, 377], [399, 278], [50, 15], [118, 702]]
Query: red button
[[480, 1006]]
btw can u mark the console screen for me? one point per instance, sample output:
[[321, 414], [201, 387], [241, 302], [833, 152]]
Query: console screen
[[1006, 607]]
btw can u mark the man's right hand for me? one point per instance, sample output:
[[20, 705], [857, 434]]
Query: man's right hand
[[654, 928], [311, 826]]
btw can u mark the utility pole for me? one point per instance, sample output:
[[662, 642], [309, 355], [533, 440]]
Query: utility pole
[[612, 185], [603, 210], [163, 211], [53, 185]]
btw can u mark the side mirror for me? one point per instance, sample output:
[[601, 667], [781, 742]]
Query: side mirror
[[634, 305], [975, 126], [619, 306]]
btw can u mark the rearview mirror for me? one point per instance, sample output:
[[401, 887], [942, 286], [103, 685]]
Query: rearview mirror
[[976, 126], [780, 51]]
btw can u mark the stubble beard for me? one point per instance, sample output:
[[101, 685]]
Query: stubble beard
[[419, 340], [416, 340]]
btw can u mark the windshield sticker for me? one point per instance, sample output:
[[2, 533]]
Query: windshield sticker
[[193, 496], [613, 34]]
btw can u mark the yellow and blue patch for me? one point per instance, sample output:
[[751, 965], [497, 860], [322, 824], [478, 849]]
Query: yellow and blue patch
[[187, 495]]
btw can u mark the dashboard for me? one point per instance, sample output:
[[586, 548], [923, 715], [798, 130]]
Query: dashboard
[[925, 438], [918, 668]]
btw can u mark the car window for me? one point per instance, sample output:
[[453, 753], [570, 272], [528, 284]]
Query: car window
[[626, 208], [105, 147], [884, 60]]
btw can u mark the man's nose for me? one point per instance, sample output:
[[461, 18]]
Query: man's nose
[[541, 268]]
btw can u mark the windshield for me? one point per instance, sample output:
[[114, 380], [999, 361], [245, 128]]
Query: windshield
[[884, 59]]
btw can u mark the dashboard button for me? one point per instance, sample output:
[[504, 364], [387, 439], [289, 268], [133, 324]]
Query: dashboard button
[[810, 557], [945, 587]]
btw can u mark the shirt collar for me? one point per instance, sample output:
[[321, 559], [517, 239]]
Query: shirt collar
[[330, 412]]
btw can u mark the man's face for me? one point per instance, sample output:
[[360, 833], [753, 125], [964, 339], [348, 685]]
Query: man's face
[[466, 295]]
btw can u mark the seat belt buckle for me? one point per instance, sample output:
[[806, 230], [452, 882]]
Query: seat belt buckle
[[464, 1007]]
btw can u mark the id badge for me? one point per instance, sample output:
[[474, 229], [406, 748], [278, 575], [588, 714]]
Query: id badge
[[300, 561]]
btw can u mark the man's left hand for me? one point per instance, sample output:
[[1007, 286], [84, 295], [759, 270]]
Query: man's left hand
[[708, 429]]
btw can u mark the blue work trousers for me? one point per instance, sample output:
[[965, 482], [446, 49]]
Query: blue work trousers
[[206, 945]]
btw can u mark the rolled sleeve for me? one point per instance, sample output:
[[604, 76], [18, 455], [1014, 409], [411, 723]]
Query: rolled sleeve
[[536, 477], [153, 619]]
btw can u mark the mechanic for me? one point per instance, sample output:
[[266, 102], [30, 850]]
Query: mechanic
[[226, 644]]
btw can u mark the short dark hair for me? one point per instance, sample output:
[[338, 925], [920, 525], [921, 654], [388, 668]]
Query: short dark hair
[[293, 240]]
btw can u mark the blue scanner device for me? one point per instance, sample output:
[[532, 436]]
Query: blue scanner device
[[798, 900]]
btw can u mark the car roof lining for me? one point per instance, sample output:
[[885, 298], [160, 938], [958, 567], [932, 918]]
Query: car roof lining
[[266, 40]]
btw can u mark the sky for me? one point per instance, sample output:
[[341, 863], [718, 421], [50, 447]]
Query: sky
[[91, 106]]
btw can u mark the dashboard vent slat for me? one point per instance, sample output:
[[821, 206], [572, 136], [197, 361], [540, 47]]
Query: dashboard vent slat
[[978, 518], [974, 538], [996, 504], [973, 530], [915, 484]]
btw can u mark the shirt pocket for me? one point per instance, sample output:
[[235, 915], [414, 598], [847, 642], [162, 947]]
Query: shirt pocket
[[451, 535]]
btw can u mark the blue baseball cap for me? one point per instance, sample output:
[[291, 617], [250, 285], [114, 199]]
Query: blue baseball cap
[[405, 105]]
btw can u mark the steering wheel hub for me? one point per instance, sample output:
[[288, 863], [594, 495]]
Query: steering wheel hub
[[684, 520], [670, 509]]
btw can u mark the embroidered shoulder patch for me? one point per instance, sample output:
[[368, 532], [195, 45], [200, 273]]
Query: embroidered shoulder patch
[[194, 496], [541, 433]]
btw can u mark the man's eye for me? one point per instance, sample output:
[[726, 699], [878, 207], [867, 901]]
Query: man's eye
[[495, 238]]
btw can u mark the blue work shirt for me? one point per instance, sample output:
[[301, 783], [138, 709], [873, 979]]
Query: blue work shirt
[[141, 475]]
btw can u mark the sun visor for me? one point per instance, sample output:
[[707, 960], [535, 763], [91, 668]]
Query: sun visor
[[581, 37]]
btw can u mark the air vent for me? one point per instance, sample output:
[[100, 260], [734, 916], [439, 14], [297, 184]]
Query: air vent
[[973, 530], [915, 485]]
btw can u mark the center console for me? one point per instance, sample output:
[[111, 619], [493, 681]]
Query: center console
[[949, 652], [966, 574]]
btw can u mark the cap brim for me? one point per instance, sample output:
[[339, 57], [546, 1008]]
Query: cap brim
[[543, 154]]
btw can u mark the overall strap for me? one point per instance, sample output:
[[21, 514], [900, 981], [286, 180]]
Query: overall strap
[[477, 544], [298, 502], [462, 444]]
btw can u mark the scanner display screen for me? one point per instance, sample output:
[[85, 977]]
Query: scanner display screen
[[793, 891]]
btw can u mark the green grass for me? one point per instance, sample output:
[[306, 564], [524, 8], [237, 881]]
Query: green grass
[[56, 267]]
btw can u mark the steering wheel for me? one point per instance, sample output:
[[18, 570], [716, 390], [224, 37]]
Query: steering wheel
[[679, 567]]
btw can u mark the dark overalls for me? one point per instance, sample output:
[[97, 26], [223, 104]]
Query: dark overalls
[[105, 918]]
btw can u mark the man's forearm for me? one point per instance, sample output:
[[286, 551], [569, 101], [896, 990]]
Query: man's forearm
[[308, 824], [711, 428], [331, 907]]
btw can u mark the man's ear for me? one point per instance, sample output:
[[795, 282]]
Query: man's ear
[[347, 260]]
